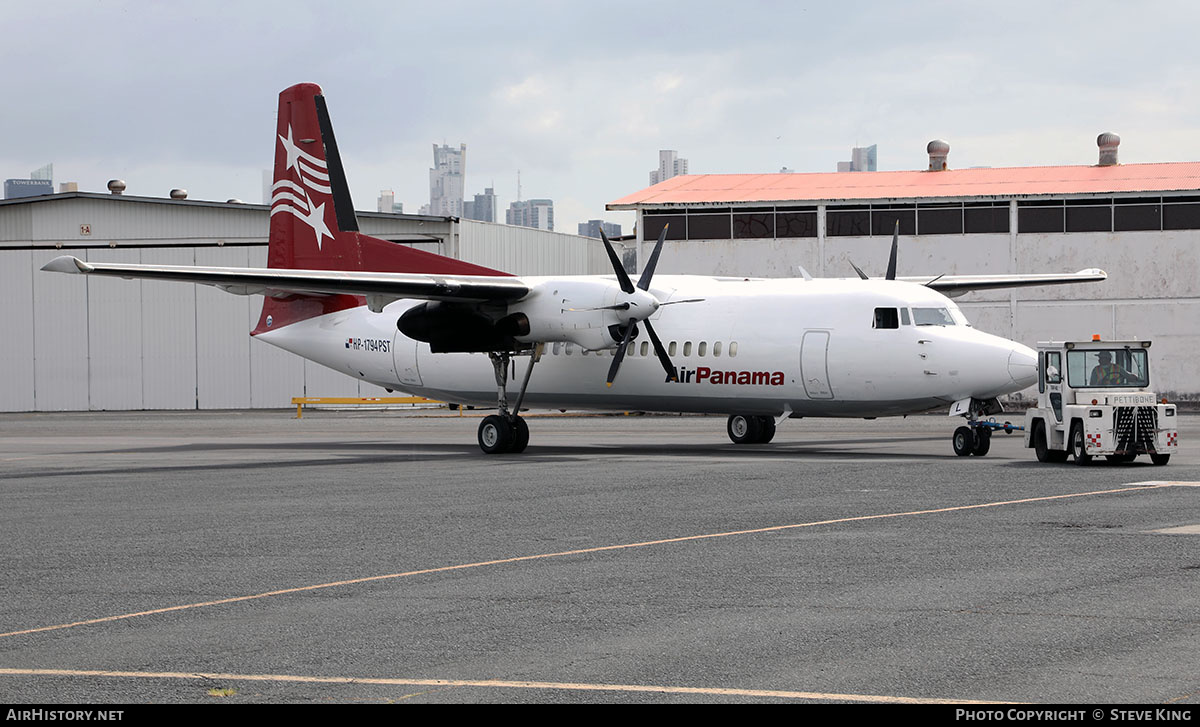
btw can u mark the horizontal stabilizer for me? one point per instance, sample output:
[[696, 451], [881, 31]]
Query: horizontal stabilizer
[[956, 285]]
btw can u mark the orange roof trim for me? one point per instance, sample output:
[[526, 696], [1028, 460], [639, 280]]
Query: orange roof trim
[[694, 189]]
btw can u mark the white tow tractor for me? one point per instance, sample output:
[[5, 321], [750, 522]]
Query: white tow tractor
[[1095, 398]]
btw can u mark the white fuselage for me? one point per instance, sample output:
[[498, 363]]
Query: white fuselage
[[814, 347]]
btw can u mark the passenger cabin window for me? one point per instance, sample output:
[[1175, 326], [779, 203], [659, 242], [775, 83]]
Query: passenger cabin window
[[645, 348], [932, 317], [687, 348], [733, 349], [671, 348], [717, 348], [703, 348], [886, 318]]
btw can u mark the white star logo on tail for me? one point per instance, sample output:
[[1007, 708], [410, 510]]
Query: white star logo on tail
[[294, 196]]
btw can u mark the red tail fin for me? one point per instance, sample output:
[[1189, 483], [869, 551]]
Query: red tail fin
[[313, 226]]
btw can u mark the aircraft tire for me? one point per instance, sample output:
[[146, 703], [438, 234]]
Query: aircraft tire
[[983, 442], [1160, 459], [963, 441], [744, 429], [495, 435], [520, 436], [1078, 446], [768, 430]]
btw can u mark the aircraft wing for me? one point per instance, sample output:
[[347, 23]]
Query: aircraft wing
[[956, 285], [379, 288]]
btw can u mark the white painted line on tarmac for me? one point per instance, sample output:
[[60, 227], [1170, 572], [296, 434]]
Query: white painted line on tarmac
[[494, 684]]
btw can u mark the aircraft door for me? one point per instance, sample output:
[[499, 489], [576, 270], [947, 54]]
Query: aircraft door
[[814, 364], [404, 356]]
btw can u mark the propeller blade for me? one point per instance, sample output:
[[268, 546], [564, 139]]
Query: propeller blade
[[618, 306], [616, 364], [858, 270], [648, 271], [891, 271], [669, 367], [689, 300], [618, 268]]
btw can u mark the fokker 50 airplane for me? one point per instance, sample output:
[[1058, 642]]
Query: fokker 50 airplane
[[757, 350]]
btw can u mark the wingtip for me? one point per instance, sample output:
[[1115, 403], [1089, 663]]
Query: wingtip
[[67, 264]]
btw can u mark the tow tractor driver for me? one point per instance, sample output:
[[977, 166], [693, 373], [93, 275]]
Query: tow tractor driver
[[1106, 372]]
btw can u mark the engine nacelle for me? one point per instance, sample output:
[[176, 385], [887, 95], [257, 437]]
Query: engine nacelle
[[454, 327], [566, 310]]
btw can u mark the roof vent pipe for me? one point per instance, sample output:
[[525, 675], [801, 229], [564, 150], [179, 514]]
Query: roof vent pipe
[[116, 186], [1108, 143], [178, 194], [938, 151]]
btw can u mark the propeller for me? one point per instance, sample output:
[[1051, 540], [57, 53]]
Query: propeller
[[645, 307], [891, 271], [891, 268]]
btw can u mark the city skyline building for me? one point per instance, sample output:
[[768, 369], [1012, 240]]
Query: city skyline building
[[446, 181], [670, 164], [387, 203], [862, 159], [592, 228], [39, 182], [482, 208], [537, 213]]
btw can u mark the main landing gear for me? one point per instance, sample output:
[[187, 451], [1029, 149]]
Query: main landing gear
[[507, 432], [746, 429]]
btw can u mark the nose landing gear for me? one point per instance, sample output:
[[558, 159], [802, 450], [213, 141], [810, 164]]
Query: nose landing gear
[[970, 440], [975, 438]]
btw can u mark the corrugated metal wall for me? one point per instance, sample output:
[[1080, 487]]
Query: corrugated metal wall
[[526, 251], [74, 343]]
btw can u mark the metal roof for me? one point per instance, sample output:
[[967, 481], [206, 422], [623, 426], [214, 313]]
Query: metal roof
[[131, 198], [735, 189]]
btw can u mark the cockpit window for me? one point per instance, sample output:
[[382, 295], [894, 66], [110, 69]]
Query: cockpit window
[[886, 318], [933, 317]]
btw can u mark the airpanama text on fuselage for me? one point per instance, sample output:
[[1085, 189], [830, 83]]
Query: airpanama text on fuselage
[[705, 375]]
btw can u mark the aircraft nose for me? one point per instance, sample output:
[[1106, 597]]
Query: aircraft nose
[[1022, 365]]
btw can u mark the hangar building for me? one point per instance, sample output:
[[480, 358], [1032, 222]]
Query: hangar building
[[79, 343], [1138, 222]]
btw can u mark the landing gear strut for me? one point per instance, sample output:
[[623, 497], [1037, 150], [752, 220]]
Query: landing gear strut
[[507, 432]]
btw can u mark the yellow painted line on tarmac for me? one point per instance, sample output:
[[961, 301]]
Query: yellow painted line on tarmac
[[492, 684], [566, 553]]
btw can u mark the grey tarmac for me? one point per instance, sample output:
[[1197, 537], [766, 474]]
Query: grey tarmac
[[379, 556]]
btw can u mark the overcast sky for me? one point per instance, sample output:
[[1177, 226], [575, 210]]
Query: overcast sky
[[580, 96]]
